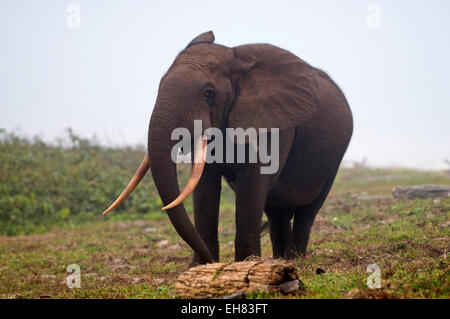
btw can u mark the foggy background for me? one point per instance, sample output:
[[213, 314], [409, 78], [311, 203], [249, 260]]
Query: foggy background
[[100, 76]]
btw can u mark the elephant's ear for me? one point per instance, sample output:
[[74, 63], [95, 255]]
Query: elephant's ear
[[277, 89], [207, 37]]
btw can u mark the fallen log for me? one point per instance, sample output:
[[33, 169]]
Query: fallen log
[[222, 279], [422, 191]]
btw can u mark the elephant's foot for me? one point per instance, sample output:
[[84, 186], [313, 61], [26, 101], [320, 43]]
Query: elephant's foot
[[196, 261]]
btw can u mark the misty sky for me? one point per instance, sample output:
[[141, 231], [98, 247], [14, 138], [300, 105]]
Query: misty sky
[[102, 78]]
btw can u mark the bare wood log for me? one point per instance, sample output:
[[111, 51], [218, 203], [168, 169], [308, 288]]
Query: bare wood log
[[422, 191], [220, 279]]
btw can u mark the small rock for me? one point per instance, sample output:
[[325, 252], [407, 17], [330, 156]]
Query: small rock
[[163, 243], [320, 271], [235, 295], [174, 247], [422, 191], [150, 229], [289, 286]]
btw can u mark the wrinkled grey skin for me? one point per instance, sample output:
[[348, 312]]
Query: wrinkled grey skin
[[276, 89]]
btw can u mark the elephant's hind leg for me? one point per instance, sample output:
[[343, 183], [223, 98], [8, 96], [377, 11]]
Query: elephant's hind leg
[[304, 218], [280, 231]]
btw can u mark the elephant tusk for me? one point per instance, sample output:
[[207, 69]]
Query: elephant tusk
[[197, 170], [140, 173]]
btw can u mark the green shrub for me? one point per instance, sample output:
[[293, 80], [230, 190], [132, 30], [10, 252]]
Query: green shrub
[[70, 181]]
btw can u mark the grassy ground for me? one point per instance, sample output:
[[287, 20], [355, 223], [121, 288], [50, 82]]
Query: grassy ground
[[360, 224]]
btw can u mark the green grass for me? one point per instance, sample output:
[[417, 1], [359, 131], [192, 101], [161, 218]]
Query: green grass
[[51, 198]]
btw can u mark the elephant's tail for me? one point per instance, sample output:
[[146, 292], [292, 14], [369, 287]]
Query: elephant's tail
[[264, 228]]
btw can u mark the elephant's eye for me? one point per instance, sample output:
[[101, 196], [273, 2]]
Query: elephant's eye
[[210, 97]]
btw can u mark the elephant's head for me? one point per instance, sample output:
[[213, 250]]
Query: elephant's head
[[257, 86]]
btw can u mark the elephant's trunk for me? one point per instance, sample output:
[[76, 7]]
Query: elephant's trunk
[[164, 174]]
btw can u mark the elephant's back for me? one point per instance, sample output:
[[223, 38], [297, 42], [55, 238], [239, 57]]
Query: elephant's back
[[333, 115]]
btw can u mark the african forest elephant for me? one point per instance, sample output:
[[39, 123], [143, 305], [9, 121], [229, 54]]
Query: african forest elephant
[[249, 86]]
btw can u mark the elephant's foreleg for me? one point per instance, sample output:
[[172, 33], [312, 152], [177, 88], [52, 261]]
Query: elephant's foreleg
[[206, 209], [251, 192]]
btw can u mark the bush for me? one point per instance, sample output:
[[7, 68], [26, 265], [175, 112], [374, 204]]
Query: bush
[[72, 181]]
